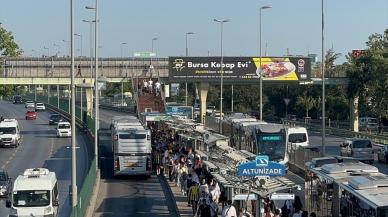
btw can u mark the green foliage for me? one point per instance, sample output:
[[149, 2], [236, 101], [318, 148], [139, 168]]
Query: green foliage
[[115, 88], [8, 46], [306, 102]]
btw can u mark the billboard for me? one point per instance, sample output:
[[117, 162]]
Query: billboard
[[239, 69], [186, 111]]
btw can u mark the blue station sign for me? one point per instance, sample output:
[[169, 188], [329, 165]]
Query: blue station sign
[[261, 167]]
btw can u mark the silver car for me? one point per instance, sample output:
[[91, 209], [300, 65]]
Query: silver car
[[360, 149]]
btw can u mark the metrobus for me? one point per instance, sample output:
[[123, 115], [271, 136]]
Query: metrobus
[[131, 146], [323, 185], [258, 137], [365, 196]]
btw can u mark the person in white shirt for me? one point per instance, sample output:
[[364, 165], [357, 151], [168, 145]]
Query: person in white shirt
[[229, 210], [150, 82], [157, 87], [145, 85]]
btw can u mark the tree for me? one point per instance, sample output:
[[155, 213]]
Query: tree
[[306, 102], [8, 46], [330, 58]]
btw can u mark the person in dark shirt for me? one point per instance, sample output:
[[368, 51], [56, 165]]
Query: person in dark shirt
[[204, 209]]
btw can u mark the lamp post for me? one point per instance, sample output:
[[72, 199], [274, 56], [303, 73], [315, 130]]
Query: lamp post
[[74, 191], [57, 46], [91, 44], [68, 46], [48, 50], [122, 67], [96, 95], [222, 70], [79, 35], [323, 85], [187, 54], [260, 71]]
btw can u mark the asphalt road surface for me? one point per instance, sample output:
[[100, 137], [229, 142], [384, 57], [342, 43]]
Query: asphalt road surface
[[41, 148], [131, 196]]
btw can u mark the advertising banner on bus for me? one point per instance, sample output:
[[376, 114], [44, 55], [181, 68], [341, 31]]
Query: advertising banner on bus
[[239, 69]]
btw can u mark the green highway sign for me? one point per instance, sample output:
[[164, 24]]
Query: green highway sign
[[144, 54]]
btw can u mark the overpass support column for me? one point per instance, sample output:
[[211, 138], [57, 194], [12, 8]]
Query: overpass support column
[[89, 101], [48, 94], [354, 113], [203, 88], [35, 93]]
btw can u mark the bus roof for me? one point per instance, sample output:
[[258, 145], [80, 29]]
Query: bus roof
[[372, 189], [342, 172]]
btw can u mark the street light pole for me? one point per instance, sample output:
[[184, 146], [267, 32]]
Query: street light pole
[[122, 67], [222, 71], [91, 45], [48, 50], [74, 191], [80, 35], [187, 54], [260, 68], [323, 85], [152, 51], [96, 94]]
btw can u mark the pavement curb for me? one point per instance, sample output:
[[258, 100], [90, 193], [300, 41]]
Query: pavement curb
[[93, 198], [163, 178]]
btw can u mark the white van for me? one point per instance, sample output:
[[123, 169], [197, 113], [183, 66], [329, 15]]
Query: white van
[[9, 133], [298, 136], [64, 129], [34, 193], [368, 123]]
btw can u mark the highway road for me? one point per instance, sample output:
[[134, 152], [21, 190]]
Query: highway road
[[134, 196], [41, 148]]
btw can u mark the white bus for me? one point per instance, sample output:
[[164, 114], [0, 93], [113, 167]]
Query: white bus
[[131, 149], [365, 196], [34, 193]]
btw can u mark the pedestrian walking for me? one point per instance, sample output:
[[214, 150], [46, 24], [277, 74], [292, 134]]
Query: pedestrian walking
[[204, 209], [158, 88], [79, 71], [145, 86], [229, 210], [150, 85], [194, 196]]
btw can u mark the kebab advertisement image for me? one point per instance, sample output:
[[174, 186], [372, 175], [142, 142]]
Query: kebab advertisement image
[[276, 68]]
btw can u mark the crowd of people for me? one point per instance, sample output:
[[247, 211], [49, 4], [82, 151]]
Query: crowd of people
[[149, 87], [207, 198]]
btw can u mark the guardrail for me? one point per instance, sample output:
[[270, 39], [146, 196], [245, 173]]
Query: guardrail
[[91, 177]]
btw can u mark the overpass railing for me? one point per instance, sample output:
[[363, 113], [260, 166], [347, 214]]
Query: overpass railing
[[89, 181]]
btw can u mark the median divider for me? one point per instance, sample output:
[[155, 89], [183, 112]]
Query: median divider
[[89, 187]]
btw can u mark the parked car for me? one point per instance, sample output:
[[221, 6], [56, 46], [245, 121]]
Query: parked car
[[382, 154], [5, 184], [55, 119], [361, 149], [30, 104], [40, 107], [63, 129], [31, 115]]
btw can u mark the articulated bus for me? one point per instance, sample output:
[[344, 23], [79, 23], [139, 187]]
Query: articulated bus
[[259, 137], [365, 196], [131, 148], [327, 190]]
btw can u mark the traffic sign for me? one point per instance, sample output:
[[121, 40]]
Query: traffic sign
[[282, 196], [144, 54]]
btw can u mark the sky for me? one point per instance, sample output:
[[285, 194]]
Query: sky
[[293, 25]]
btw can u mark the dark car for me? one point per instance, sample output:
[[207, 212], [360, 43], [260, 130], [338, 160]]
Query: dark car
[[55, 119], [5, 184], [17, 100]]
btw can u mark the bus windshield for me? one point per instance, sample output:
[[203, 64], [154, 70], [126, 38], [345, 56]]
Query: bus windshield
[[31, 198], [273, 145]]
